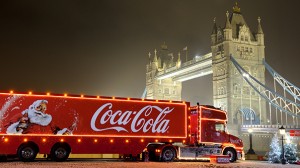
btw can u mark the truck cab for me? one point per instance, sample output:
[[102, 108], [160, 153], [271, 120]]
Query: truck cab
[[208, 137], [208, 128]]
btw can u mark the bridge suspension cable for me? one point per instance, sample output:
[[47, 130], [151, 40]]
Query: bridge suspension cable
[[276, 100], [285, 84]]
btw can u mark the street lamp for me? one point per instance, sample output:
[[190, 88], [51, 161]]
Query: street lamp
[[282, 132], [250, 151]]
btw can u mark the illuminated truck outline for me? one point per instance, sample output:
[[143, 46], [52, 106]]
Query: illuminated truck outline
[[121, 128]]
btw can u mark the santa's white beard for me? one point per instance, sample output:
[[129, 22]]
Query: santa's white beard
[[41, 120]]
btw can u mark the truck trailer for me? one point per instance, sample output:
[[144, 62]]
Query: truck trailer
[[57, 125]]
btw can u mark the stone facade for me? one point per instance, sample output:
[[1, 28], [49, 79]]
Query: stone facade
[[165, 89], [230, 91]]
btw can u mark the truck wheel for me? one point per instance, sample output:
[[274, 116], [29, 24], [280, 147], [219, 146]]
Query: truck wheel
[[60, 153], [27, 153], [168, 155], [232, 154]]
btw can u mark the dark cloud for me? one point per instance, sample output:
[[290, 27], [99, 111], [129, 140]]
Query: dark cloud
[[101, 46]]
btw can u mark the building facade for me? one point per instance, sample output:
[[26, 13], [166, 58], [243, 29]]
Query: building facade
[[165, 89], [230, 91]]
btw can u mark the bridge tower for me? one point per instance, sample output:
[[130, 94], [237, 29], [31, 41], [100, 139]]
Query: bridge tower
[[164, 89], [230, 92]]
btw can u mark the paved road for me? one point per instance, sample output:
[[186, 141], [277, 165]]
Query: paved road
[[121, 164]]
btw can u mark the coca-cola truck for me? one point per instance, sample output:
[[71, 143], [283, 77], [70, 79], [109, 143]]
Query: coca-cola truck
[[59, 125]]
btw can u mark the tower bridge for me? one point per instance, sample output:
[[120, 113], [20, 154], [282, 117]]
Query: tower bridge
[[237, 64]]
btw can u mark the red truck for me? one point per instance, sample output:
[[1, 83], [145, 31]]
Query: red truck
[[57, 125]]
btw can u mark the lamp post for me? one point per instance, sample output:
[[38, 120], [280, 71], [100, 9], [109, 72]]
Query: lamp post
[[282, 132], [250, 151]]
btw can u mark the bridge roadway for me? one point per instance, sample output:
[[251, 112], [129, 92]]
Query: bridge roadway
[[268, 128], [197, 67]]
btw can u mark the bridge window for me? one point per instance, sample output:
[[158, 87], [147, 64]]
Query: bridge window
[[242, 38], [235, 88], [246, 38], [159, 90], [166, 91], [246, 90]]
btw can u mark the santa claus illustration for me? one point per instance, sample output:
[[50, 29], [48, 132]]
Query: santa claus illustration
[[35, 117]]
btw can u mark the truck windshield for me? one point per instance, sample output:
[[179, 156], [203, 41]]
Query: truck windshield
[[220, 127]]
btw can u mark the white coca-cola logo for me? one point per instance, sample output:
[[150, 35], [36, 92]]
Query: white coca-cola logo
[[139, 120]]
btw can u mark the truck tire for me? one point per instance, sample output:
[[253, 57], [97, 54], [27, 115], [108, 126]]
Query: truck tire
[[60, 152], [27, 152], [168, 154], [232, 154]]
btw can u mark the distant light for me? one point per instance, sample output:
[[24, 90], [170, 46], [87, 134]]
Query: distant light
[[44, 140], [95, 140], [81, 96], [246, 75], [30, 93], [128, 98], [65, 94], [78, 140], [197, 56], [48, 94], [11, 92], [61, 140], [6, 140], [282, 130], [250, 130], [25, 139]]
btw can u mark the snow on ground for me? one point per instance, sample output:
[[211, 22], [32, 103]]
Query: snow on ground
[[120, 164]]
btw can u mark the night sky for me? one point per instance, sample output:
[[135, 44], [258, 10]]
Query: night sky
[[100, 47]]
